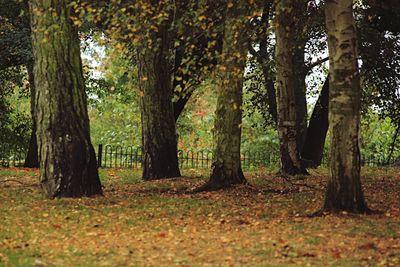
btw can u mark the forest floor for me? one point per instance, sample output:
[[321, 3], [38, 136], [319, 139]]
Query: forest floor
[[160, 223]]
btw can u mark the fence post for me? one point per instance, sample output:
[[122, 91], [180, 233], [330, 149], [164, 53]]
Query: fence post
[[99, 155]]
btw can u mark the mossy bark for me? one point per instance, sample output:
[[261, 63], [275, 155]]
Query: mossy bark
[[226, 167], [159, 140], [288, 100], [344, 192], [67, 159]]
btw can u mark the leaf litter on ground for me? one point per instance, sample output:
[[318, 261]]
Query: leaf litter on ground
[[162, 223]]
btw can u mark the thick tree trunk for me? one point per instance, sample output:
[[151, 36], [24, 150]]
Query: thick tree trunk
[[313, 149], [226, 168], [287, 83], [67, 159], [32, 160], [343, 191], [159, 138]]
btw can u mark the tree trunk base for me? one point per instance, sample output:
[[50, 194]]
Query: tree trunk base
[[359, 208], [158, 177], [220, 180], [32, 158], [293, 171], [324, 211]]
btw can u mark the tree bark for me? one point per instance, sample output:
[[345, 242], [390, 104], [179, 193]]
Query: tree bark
[[226, 167], [32, 160], [344, 192], [287, 83], [266, 64], [159, 138], [300, 71], [67, 159], [313, 149]]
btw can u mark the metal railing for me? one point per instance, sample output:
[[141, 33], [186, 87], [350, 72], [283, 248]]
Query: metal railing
[[109, 156], [12, 157]]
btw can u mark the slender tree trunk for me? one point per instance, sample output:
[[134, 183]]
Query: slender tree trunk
[[313, 149], [32, 160], [344, 192], [159, 138], [288, 130], [262, 58], [299, 69], [67, 159], [226, 167], [271, 93], [396, 134], [180, 104]]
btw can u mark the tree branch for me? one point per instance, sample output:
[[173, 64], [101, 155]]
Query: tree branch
[[316, 63]]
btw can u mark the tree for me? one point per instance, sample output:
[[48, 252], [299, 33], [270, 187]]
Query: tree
[[159, 138], [197, 43], [344, 192], [18, 51], [287, 84], [313, 148], [32, 159], [226, 167], [67, 159]]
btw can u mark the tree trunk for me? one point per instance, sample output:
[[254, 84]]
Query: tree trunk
[[226, 167], [263, 59], [32, 160], [343, 191], [287, 82], [313, 149], [392, 146], [159, 138], [299, 69], [67, 158]]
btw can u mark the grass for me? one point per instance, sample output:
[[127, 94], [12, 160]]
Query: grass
[[160, 223]]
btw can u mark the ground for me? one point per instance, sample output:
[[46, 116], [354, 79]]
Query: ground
[[160, 223]]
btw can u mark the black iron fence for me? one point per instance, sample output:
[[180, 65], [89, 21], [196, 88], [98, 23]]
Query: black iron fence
[[109, 156], [14, 157]]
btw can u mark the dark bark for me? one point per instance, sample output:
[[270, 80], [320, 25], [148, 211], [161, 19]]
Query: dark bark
[[313, 149], [288, 83], [262, 58], [32, 160], [271, 94], [67, 159], [159, 140], [194, 58], [300, 87], [180, 104], [343, 191], [226, 167]]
